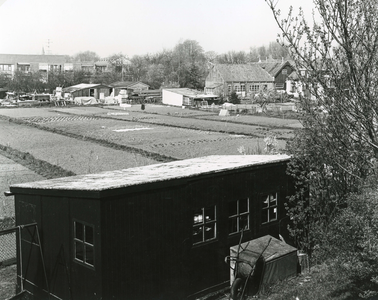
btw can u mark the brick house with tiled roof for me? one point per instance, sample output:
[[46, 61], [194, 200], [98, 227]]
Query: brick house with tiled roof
[[280, 70], [244, 79]]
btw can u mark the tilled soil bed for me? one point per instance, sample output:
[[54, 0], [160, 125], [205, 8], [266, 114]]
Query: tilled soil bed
[[177, 143], [76, 155]]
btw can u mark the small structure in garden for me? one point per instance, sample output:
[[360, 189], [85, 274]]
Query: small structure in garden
[[88, 93], [257, 264], [158, 231], [186, 97]]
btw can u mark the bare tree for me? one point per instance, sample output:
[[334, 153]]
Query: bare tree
[[86, 56], [336, 56]]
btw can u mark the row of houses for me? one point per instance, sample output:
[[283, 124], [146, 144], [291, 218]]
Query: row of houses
[[245, 79], [10, 63]]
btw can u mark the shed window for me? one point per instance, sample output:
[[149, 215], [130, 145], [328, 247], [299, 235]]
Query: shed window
[[84, 243], [238, 216], [229, 88], [269, 207], [204, 225]]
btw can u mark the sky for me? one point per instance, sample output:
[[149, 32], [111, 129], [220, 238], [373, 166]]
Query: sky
[[137, 27]]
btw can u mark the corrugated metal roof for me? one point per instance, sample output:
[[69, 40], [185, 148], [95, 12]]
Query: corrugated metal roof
[[121, 84], [126, 84], [244, 72], [212, 85], [185, 91], [81, 86], [102, 63], [152, 173]]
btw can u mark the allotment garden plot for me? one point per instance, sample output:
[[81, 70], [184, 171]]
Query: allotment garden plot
[[178, 143], [252, 125], [76, 155]]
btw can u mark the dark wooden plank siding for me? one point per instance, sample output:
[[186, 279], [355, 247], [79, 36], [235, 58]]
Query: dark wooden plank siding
[[149, 235], [56, 244], [143, 234], [146, 243]]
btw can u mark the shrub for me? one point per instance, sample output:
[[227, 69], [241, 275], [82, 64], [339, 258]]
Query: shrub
[[351, 240], [234, 99]]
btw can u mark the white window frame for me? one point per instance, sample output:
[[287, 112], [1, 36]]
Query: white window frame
[[237, 218], [269, 207], [254, 88], [202, 223], [82, 242]]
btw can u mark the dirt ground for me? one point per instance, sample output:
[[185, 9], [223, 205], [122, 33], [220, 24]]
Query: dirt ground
[[7, 282]]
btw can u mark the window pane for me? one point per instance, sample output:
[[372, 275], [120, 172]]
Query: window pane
[[79, 251], [209, 214], [210, 231], [89, 234], [243, 206], [197, 234], [273, 200], [244, 222], [198, 217], [204, 227], [89, 255], [265, 201], [232, 225], [264, 216], [233, 208], [79, 231], [272, 213]]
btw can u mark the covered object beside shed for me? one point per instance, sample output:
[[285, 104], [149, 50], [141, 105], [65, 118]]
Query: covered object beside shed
[[154, 232], [280, 261]]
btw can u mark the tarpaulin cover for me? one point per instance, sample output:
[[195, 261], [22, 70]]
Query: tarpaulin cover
[[280, 260], [109, 100], [85, 100]]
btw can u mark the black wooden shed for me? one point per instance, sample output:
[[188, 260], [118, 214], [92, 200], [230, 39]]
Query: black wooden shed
[[154, 232]]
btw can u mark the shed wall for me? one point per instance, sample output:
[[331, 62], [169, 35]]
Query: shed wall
[[54, 217], [171, 98], [147, 244], [144, 242]]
